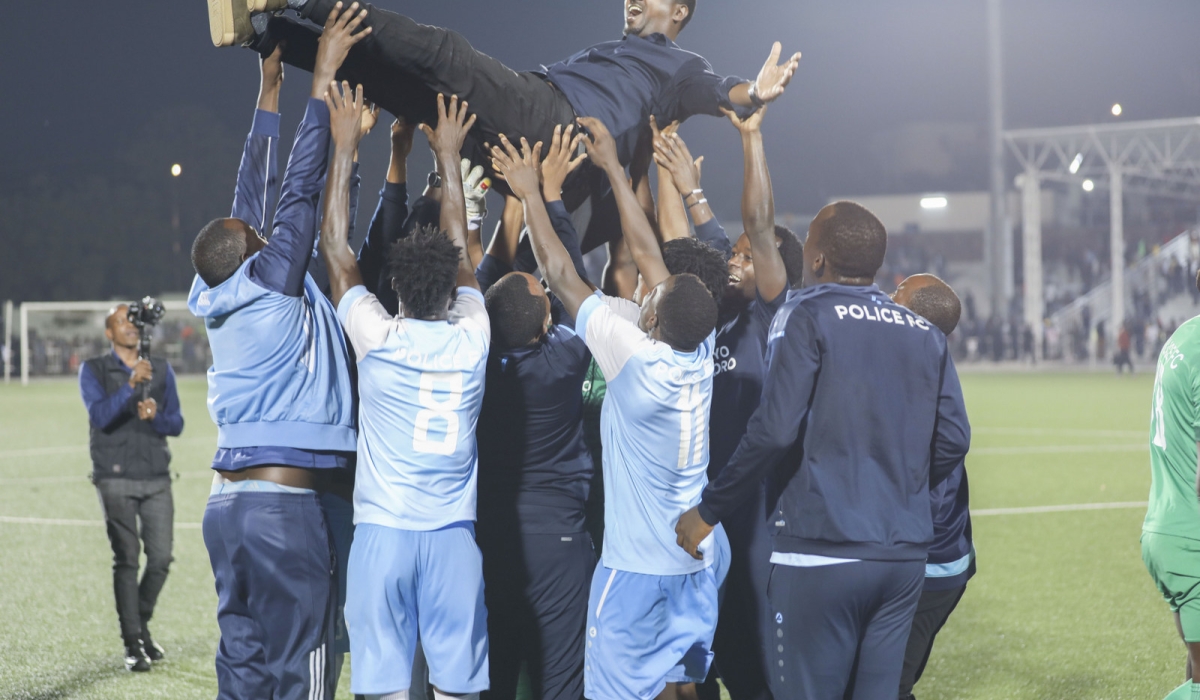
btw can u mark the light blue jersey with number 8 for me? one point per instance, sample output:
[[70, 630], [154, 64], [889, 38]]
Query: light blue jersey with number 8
[[420, 390]]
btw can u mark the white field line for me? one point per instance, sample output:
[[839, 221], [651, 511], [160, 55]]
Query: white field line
[[983, 512], [71, 449], [1056, 449], [1060, 431], [76, 523]]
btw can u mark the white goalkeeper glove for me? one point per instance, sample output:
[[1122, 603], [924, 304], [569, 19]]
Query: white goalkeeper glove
[[475, 189]]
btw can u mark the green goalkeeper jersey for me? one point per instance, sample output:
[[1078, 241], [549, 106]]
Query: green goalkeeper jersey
[[1174, 428]]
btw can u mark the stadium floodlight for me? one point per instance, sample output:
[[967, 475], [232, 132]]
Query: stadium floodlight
[[934, 202], [176, 170], [1088, 185], [1076, 163], [1117, 109]]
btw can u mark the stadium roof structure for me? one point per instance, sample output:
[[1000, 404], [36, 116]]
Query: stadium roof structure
[[1158, 158]]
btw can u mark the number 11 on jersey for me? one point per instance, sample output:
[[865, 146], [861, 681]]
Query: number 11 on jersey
[[691, 424]]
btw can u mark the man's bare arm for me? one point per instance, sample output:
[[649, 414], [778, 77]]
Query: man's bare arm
[[758, 209], [639, 235], [520, 170], [345, 116], [446, 141]]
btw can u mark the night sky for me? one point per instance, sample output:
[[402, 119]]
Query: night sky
[[80, 77]]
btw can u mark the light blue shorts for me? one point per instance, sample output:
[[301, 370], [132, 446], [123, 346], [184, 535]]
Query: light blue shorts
[[402, 583], [647, 631]]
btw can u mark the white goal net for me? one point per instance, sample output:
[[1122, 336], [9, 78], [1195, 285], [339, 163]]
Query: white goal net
[[54, 338]]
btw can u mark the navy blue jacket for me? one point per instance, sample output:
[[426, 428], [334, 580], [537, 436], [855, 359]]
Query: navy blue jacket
[[861, 413], [952, 555], [535, 469], [623, 82]]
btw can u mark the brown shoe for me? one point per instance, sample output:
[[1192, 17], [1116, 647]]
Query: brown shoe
[[229, 22], [266, 5]]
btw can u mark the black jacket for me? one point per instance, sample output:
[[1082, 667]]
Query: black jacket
[[122, 445]]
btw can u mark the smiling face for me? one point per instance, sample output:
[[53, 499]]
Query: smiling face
[[119, 330], [646, 17]]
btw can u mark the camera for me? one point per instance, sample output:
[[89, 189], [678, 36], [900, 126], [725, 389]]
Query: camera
[[145, 314]]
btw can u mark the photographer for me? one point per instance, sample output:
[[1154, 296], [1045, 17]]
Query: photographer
[[132, 407]]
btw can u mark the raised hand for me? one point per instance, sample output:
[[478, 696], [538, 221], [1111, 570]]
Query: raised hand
[[561, 161], [673, 156], [601, 147], [475, 189], [518, 168], [750, 125], [452, 127], [335, 43], [370, 117], [774, 77], [345, 116], [402, 137]]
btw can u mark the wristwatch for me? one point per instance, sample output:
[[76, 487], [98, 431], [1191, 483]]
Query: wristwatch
[[435, 180], [754, 98]]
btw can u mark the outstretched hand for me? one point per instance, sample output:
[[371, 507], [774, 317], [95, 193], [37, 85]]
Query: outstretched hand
[[518, 168], [345, 116], [601, 147], [335, 43], [690, 531], [774, 77], [370, 117], [750, 125], [452, 127], [561, 161], [673, 156]]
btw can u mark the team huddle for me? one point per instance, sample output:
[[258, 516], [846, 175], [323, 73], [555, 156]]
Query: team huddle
[[458, 464]]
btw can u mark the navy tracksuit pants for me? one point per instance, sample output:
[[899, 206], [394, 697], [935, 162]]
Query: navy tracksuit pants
[[840, 631], [272, 562], [537, 596]]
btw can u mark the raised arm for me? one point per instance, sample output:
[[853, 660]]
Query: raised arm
[[282, 265], [639, 235], [446, 141], [387, 224], [758, 209], [560, 161], [772, 80], [672, 216], [673, 157], [520, 170], [345, 108], [475, 189], [258, 172]]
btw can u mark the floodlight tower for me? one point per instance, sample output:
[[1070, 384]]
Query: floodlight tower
[[998, 248]]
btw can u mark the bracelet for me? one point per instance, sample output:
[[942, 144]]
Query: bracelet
[[694, 204], [693, 193]]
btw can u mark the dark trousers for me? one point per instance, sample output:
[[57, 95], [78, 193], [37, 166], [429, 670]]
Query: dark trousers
[[273, 567], [840, 630], [739, 642], [537, 595], [126, 502], [933, 609], [402, 67]]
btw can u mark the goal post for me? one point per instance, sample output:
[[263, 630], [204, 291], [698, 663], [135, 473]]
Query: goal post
[[57, 336]]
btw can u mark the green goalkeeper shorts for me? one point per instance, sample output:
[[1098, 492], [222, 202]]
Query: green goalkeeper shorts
[[1174, 564]]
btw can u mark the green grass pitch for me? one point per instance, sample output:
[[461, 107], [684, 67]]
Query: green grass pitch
[[1061, 608]]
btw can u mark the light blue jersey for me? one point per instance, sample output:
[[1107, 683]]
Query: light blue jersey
[[420, 389], [654, 428]]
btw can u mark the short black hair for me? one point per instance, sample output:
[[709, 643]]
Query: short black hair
[[688, 256], [938, 304], [517, 316], [691, 6], [792, 252], [217, 252], [423, 268], [854, 240], [687, 313]]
